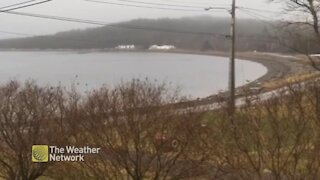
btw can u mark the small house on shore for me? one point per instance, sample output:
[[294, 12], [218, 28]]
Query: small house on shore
[[126, 47], [163, 47]]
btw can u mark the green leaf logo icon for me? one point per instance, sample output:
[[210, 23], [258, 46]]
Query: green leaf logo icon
[[40, 153]]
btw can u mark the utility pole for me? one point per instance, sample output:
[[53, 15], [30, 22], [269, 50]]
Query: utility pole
[[232, 77]]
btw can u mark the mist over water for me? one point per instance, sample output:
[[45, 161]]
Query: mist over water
[[196, 75]]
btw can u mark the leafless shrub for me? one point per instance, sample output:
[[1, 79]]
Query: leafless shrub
[[141, 134], [275, 138]]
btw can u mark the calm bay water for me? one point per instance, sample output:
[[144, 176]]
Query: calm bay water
[[197, 75]]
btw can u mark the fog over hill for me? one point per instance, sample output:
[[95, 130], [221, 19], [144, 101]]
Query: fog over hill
[[197, 33]]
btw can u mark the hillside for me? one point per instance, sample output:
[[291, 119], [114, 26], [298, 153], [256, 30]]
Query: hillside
[[186, 33]]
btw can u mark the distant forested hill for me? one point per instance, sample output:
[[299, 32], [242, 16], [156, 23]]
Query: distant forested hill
[[186, 33]]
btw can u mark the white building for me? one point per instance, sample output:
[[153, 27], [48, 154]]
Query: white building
[[125, 47], [164, 47]]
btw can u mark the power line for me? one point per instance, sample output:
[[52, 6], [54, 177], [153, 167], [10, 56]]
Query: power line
[[47, 36], [258, 16], [82, 40], [65, 19], [258, 10], [263, 21], [15, 33], [135, 27], [9, 11], [17, 4], [146, 7], [95, 41], [198, 2], [189, 2], [98, 41], [266, 11], [150, 7], [101, 24], [169, 30], [163, 4], [108, 24], [20, 7], [58, 18]]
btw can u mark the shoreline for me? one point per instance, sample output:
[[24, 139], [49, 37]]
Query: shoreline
[[279, 67]]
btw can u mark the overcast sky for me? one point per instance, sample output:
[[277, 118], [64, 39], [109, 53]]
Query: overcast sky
[[112, 13]]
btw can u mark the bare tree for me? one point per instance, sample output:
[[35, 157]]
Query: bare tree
[[27, 117], [144, 134], [302, 31]]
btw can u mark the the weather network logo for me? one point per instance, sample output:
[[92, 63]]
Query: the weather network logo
[[40, 153], [46, 153]]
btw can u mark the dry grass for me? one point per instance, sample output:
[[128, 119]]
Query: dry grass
[[292, 79]]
